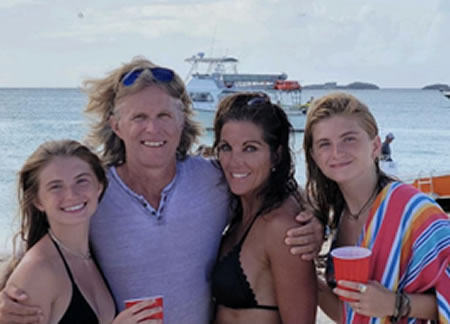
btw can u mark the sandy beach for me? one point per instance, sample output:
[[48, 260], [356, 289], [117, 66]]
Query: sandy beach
[[322, 318]]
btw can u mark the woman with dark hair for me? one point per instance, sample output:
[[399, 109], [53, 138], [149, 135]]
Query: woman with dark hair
[[407, 231], [256, 279], [59, 188]]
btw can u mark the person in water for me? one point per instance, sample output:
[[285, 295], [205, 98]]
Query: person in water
[[256, 279], [386, 152], [59, 188]]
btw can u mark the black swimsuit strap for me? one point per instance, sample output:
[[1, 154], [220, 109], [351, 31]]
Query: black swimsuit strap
[[64, 260], [79, 310], [240, 246], [266, 307], [241, 241]]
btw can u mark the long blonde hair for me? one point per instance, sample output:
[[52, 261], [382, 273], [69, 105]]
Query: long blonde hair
[[104, 94]]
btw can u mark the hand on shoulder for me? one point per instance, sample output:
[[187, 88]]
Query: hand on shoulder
[[13, 307]]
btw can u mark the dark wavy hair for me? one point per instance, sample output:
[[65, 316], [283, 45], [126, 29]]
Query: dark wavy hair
[[271, 118]]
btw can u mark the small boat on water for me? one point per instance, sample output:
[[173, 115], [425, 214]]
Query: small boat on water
[[446, 93], [212, 78], [437, 186]]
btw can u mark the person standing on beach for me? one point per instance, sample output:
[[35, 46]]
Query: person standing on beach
[[158, 227], [407, 232], [256, 279], [59, 188], [386, 147]]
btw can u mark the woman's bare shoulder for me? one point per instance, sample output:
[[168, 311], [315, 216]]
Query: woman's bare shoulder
[[283, 217], [38, 272]]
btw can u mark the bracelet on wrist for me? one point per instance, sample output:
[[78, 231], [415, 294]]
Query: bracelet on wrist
[[406, 306], [398, 303], [402, 307]]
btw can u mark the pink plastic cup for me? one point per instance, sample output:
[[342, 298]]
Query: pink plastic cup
[[158, 303], [351, 263]]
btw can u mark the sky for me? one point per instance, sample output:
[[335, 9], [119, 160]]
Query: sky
[[391, 43]]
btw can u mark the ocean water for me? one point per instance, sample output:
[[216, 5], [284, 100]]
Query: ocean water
[[419, 119]]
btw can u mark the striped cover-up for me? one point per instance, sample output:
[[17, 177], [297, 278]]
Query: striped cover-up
[[409, 236]]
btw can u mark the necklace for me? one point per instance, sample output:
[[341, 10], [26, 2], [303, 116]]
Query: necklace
[[364, 207], [82, 256]]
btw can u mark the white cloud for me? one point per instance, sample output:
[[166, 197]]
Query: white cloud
[[163, 19], [308, 39], [17, 3]]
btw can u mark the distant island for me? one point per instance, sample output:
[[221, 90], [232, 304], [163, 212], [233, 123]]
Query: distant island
[[334, 85], [437, 86]]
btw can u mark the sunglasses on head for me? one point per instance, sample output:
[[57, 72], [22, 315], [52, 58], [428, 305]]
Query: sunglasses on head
[[159, 74], [258, 100]]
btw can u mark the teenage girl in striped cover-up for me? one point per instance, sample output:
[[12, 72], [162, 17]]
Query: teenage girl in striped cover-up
[[407, 231]]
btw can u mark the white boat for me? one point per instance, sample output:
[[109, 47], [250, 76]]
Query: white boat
[[446, 93], [212, 78]]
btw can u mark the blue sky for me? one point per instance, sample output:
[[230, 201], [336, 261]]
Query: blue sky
[[59, 43]]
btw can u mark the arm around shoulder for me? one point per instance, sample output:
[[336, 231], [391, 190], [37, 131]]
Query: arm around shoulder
[[36, 278]]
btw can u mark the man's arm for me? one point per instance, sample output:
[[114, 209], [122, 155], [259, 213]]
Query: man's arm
[[306, 239], [13, 309]]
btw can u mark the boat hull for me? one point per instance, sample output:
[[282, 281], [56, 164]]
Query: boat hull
[[437, 187]]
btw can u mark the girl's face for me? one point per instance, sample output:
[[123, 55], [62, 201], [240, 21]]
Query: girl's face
[[68, 191], [342, 149]]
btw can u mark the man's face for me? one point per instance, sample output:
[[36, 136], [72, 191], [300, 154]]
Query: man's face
[[150, 124]]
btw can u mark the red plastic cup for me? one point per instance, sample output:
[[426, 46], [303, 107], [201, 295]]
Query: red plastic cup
[[158, 303], [351, 263]]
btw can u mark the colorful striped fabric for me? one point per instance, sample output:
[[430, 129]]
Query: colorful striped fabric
[[409, 236]]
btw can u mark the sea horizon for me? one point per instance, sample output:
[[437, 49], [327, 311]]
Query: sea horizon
[[306, 89], [29, 116]]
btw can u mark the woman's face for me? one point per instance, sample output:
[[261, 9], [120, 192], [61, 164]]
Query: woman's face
[[342, 149], [68, 191], [244, 156]]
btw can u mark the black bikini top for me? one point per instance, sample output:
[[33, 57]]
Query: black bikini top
[[79, 310], [230, 286]]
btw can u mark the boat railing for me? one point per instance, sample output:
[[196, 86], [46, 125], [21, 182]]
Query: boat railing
[[254, 81], [253, 77], [424, 182]]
